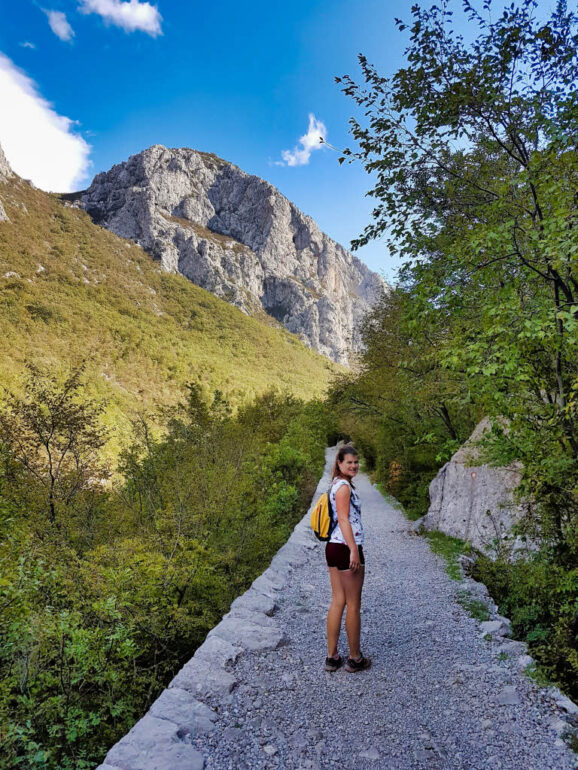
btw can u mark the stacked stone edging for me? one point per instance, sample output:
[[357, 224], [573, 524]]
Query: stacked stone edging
[[497, 629], [162, 739]]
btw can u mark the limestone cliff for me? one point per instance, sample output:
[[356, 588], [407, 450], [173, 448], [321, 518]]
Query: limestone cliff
[[5, 174], [475, 501], [237, 236]]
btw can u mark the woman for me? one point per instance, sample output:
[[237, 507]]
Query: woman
[[344, 554]]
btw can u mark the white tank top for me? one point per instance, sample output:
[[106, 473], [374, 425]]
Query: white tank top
[[354, 514]]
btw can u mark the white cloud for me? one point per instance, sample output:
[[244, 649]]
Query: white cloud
[[59, 25], [131, 15], [312, 140], [27, 44], [38, 142]]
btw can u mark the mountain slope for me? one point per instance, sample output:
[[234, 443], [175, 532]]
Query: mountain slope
[[237, 236], [72, 291]]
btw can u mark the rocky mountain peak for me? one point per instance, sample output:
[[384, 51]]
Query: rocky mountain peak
[[5, 174], [237, 236], [5, 170]]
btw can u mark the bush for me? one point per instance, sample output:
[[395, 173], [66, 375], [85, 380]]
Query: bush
[[541, 599], [93, 628]]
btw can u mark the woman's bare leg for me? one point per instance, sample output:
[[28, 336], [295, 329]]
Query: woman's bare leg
[[335, 612], [352, 584]]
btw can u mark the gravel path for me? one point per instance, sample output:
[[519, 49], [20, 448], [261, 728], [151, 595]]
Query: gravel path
[[439, 694]]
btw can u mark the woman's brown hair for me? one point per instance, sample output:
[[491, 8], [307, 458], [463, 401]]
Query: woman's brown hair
[[342, 452]]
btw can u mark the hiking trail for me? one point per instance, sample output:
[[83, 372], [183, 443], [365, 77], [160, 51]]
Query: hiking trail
[[445, 692]]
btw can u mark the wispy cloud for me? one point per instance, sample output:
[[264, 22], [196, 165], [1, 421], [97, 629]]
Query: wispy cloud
[[131, 15], [38, 142], [27, 44], [312, 140], [59, 25]]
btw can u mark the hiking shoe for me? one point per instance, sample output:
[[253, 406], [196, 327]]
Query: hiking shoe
[[353, 666], [332, 664]]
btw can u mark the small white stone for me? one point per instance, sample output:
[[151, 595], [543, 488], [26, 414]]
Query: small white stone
[[490, 627], [568, 705], [524, 661], [508, 697], [371, 753], [559, 725]]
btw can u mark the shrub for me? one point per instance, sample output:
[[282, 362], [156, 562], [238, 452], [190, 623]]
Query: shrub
[[541, 599]]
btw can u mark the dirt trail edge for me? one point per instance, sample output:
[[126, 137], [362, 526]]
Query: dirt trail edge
[[445, 692]]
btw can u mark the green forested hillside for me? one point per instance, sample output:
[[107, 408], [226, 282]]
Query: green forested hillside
[[73, 291]]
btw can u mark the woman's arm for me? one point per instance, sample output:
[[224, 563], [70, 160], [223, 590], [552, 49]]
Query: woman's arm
[[342, 498]]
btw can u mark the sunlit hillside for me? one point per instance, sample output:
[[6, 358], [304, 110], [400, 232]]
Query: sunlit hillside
[[74, 291]]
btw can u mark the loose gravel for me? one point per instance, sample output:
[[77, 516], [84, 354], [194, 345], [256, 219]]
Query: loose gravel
[[443, 692]]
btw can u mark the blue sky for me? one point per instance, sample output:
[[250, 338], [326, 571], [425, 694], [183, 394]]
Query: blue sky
[[239, 80]]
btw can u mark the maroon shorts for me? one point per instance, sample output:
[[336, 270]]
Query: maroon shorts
[[338, 555]]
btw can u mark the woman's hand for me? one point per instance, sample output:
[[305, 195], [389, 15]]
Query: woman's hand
[[354, 559]]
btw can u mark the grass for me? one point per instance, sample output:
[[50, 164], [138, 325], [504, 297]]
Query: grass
[[73, 291], [449, 548], [538, 675], [475, 607], [224, 241]]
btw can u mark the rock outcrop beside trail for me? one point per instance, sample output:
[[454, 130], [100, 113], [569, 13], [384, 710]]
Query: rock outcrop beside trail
[[475, 501], [237, 236]]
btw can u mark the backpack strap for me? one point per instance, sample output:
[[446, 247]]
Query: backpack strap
[[329, 503]]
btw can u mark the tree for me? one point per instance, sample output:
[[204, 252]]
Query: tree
[[473, 147], [52, 435]]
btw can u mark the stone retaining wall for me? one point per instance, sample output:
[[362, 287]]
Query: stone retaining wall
[[162, 739]]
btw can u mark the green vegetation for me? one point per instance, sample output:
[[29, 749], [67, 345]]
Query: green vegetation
[[106, 590], [72, 291], [388, 497], [111, 575], [538, 675], [472, 149], [475, 607], [540, 598], [449, 548], [130, 515]]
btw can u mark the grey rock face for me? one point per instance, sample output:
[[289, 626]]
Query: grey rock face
[[237, 236], [155, 744], [5, 170], [5, 174], [475, 502]]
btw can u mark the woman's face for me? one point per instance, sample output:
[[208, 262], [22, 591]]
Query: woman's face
[[349, 466]]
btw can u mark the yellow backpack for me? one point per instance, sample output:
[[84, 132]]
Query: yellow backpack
[[322, 520]]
